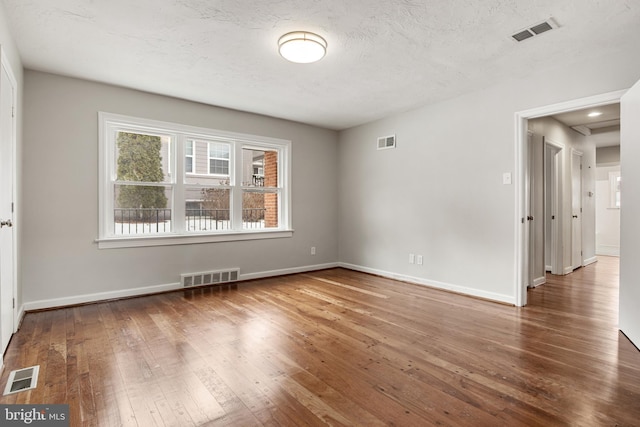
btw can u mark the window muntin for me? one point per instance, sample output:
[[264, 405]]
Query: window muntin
[[224, 193]]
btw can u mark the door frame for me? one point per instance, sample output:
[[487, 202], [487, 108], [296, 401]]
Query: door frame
[[4, 63], [576, 153], [522, 160]]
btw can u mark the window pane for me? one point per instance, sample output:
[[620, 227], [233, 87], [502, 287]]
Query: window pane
[[142, 158], [188, 157], [141, 209], [218, 150], [218, 167], [207, 209], [259, 168], [219, 155], [259, 209]]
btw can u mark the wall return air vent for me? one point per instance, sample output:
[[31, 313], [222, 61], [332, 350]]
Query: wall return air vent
[[210, 277], [535, 30], [385, 142]]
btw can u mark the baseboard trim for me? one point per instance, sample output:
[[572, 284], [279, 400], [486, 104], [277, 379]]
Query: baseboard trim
[[539, 281], [590, 260], [100, 296], [285, 271], [507, 299], [608, 250], [148, 290]]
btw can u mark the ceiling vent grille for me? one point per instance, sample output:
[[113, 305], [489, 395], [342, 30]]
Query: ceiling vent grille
[[535, 30], [385, 142], [210, 277]]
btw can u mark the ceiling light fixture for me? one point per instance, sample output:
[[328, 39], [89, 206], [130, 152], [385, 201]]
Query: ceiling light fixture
[[302, 47], [594, 114]]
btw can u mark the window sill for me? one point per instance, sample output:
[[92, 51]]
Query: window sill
[[189, 239]]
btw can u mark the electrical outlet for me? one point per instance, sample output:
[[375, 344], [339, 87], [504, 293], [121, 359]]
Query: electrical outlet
[[313, 250], [419, 260], [412, 259]]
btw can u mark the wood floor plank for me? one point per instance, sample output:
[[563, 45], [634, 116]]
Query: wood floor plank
[[338, 347]]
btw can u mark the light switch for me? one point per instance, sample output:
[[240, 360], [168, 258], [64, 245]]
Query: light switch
[[506, 178]]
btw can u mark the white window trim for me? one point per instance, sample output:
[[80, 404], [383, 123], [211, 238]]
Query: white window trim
[[107, 121]]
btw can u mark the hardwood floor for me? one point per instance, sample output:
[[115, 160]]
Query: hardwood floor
[[337, 347]]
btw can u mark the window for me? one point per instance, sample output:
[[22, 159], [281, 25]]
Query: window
[[189, 157], [218, 158], [614, 189], [241, 192]]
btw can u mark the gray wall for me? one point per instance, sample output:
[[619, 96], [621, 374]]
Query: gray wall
[[60, 204], [608, 155], [440, 192]]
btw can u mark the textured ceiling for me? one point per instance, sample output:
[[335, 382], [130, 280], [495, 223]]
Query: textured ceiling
[[384, 57]]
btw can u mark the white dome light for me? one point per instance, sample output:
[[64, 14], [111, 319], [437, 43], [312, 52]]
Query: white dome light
[[302, 47]]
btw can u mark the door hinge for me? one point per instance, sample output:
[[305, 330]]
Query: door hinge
[[11, 207], [13, 111], [14, 303]]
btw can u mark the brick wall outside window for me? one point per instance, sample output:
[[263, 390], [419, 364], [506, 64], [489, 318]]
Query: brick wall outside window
[[271, 180]]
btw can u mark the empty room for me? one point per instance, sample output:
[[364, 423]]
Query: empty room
[[295, 213]]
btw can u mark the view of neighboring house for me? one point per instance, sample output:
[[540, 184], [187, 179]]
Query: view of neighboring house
[[208, 175]]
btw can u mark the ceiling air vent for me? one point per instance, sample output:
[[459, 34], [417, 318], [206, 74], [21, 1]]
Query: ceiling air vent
[[385, 142], [535, 30]]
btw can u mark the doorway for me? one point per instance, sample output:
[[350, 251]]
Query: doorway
[[523, 234]]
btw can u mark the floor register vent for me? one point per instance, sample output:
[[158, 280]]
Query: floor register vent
[[22, 380], [210, 277]]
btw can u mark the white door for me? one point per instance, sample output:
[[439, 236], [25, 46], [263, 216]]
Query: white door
[[6, 209], [576, 209], [536, 210], [553, 207], [629, 213]]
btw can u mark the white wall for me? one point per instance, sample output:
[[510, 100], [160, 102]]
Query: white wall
[[630, 212], [61, 262], [440, 193]]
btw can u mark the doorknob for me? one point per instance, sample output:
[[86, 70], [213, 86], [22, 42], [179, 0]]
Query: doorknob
[[575, 216], [7, 222]]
